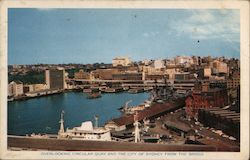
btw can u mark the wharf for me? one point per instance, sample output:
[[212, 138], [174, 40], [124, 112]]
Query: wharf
[[156, 110]]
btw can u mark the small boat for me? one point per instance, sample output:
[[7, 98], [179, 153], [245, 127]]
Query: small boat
[[10, 99], [136, 90], [94, 95], [113, 90], [87, 90], [147, 89]]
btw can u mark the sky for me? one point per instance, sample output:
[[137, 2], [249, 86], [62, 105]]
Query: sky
[[54, 36]]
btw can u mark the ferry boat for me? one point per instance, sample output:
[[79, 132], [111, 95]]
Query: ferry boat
[[84, 132], [87, 132]]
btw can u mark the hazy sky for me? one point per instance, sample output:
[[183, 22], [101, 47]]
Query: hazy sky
[[98, 35]]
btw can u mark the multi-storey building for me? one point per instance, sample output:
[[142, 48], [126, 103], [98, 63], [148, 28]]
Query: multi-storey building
[[158, 64], [82, 75], [234, 81], [121, 61], [106, 74], [181, 60], [205, 97], [55, 78], [171, 73], [127, 76], [34, 87], [220, 67], [183, 76], [204, 72], [15, 88]]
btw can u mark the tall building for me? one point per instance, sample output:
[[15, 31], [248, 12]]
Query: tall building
[[55, 78], [121, 61]]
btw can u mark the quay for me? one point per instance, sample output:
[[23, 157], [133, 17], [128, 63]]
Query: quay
[[156, 110], [36, 94]]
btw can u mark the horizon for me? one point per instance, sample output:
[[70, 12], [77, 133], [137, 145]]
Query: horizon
[[68, 36], [111, 62]]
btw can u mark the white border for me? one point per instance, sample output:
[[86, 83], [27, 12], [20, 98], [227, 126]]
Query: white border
[[244, 50]]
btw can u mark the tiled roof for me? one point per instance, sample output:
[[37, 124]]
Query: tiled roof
[[147, 113]]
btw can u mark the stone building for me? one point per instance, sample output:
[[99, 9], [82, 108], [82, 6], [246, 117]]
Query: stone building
[[82, 75], [15, 88], [205, 97]]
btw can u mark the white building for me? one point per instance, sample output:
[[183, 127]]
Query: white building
[[158, 64], [183, 60], [171, 73], [15, 88], [121, 61]]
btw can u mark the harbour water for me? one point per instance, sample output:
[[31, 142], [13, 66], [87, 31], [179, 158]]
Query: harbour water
[[42, 115]]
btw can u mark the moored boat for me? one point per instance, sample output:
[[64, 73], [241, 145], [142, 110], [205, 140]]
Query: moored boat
[[113, 90], [136, 90], [94, 95], [84, 132]]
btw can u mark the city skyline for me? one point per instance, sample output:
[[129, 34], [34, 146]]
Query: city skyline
[[56, 36]]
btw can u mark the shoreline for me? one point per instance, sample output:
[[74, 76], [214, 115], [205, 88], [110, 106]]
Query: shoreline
[[23, 98]]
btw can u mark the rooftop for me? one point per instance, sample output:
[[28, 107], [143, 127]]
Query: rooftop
[[146, 113]]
